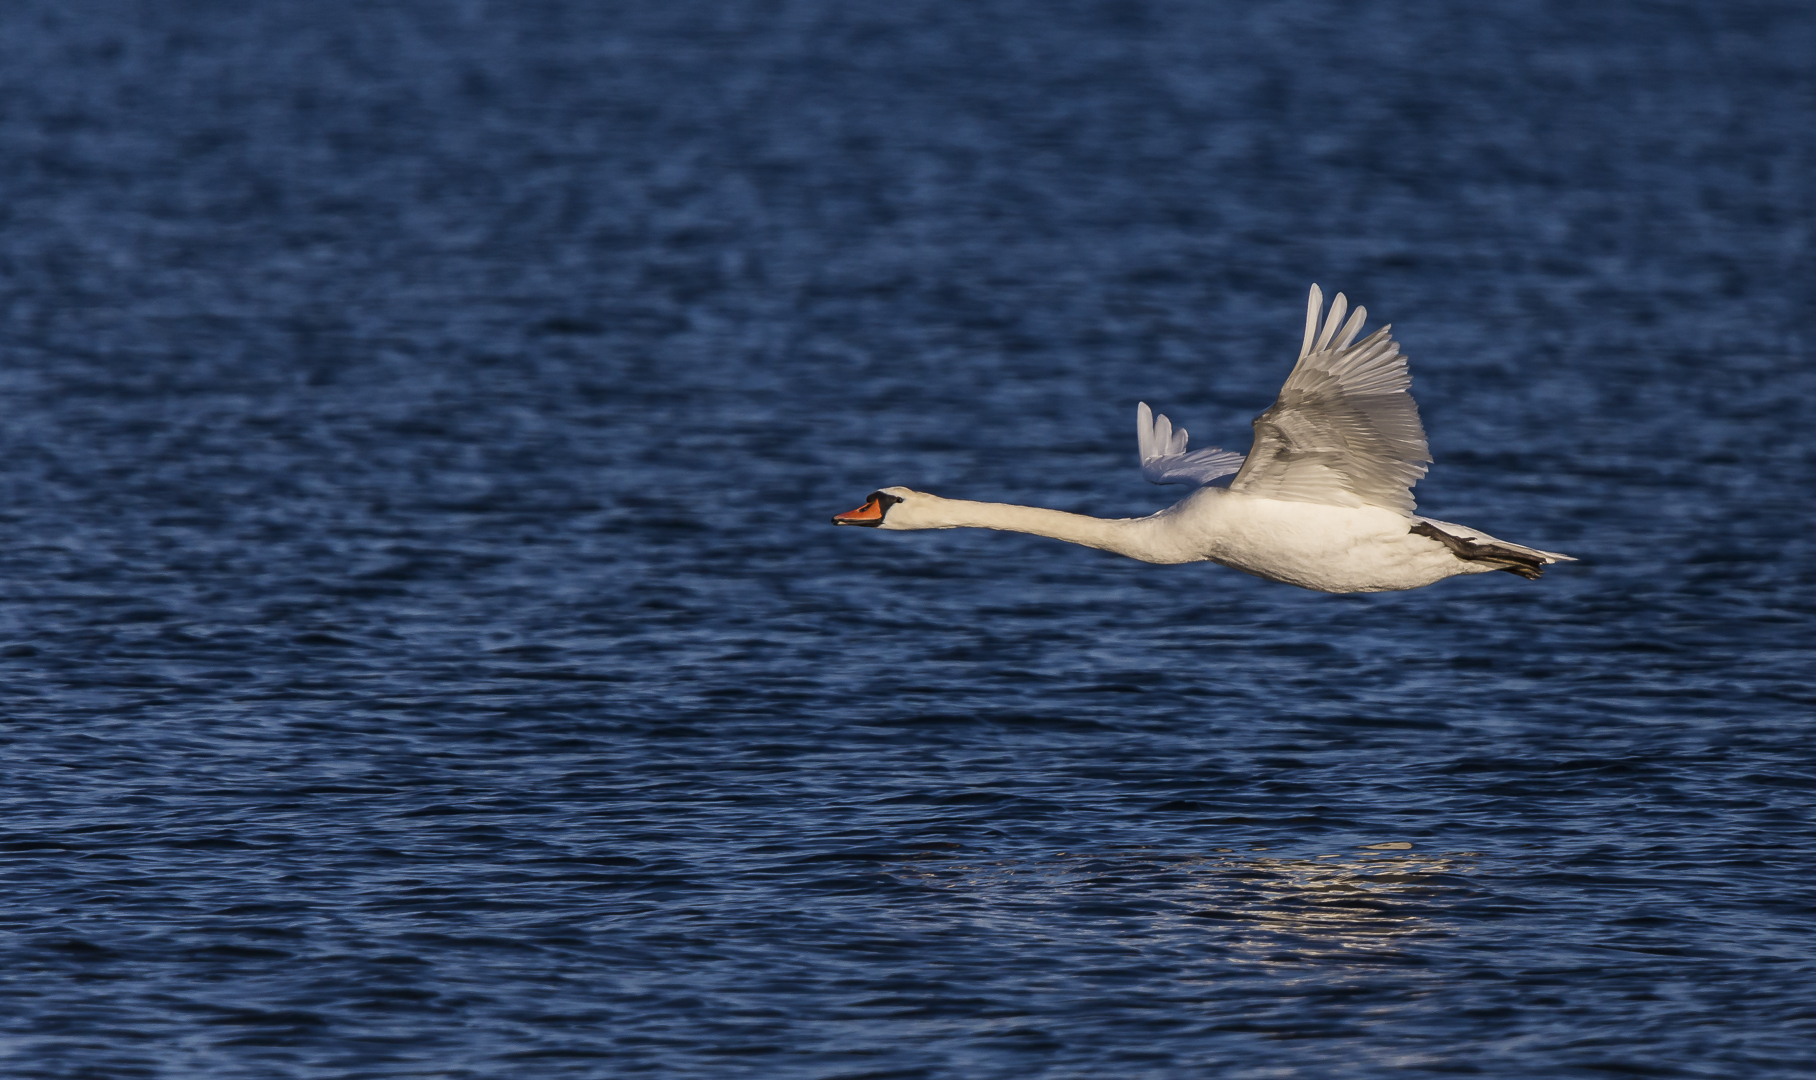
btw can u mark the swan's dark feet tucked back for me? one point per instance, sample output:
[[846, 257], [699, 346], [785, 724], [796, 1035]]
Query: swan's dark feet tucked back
[[1514, 561]]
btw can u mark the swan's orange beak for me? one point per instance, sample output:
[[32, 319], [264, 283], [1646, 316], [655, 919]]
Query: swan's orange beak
[[871, 514]]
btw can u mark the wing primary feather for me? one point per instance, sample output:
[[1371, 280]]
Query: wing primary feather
[[1355, 327], [1332, 321], [1314, 304]]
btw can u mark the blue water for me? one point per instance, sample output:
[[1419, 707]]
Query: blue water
[[424, 652]]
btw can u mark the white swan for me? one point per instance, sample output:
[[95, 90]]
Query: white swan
[[1322, 501]]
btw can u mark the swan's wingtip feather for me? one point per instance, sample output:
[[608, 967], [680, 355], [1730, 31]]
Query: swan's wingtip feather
[[1338, 305], [1314, 306], [1347, 335]]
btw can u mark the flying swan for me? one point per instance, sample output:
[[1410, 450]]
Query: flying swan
[[1323, 499]]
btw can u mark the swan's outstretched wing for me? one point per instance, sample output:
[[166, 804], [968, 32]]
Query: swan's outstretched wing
[[1344, 430], [1163, 456]]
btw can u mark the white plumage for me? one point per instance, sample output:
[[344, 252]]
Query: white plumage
[[1323, 499], [1163, 456]]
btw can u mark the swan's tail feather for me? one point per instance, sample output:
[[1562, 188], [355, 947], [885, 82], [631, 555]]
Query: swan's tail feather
[[1470, 545]]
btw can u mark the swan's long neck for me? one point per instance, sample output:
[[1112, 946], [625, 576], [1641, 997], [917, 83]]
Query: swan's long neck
[[1134, 537]]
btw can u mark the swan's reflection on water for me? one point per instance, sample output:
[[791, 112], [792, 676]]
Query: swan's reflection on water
[[1365, 906]]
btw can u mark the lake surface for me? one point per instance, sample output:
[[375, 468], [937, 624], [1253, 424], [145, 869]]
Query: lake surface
[[424, 651]]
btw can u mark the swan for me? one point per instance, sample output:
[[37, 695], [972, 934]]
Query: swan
[[1322, 500]]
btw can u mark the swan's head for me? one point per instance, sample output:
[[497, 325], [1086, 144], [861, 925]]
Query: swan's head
[[890, 508]]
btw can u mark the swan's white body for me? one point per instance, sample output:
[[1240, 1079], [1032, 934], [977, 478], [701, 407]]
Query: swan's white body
[[1323, 500]]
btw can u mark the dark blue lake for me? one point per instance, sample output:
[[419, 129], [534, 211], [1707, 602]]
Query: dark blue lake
[[424, 651]]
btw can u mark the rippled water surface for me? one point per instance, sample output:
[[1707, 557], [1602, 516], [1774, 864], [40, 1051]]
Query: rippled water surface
[[423, 650]]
